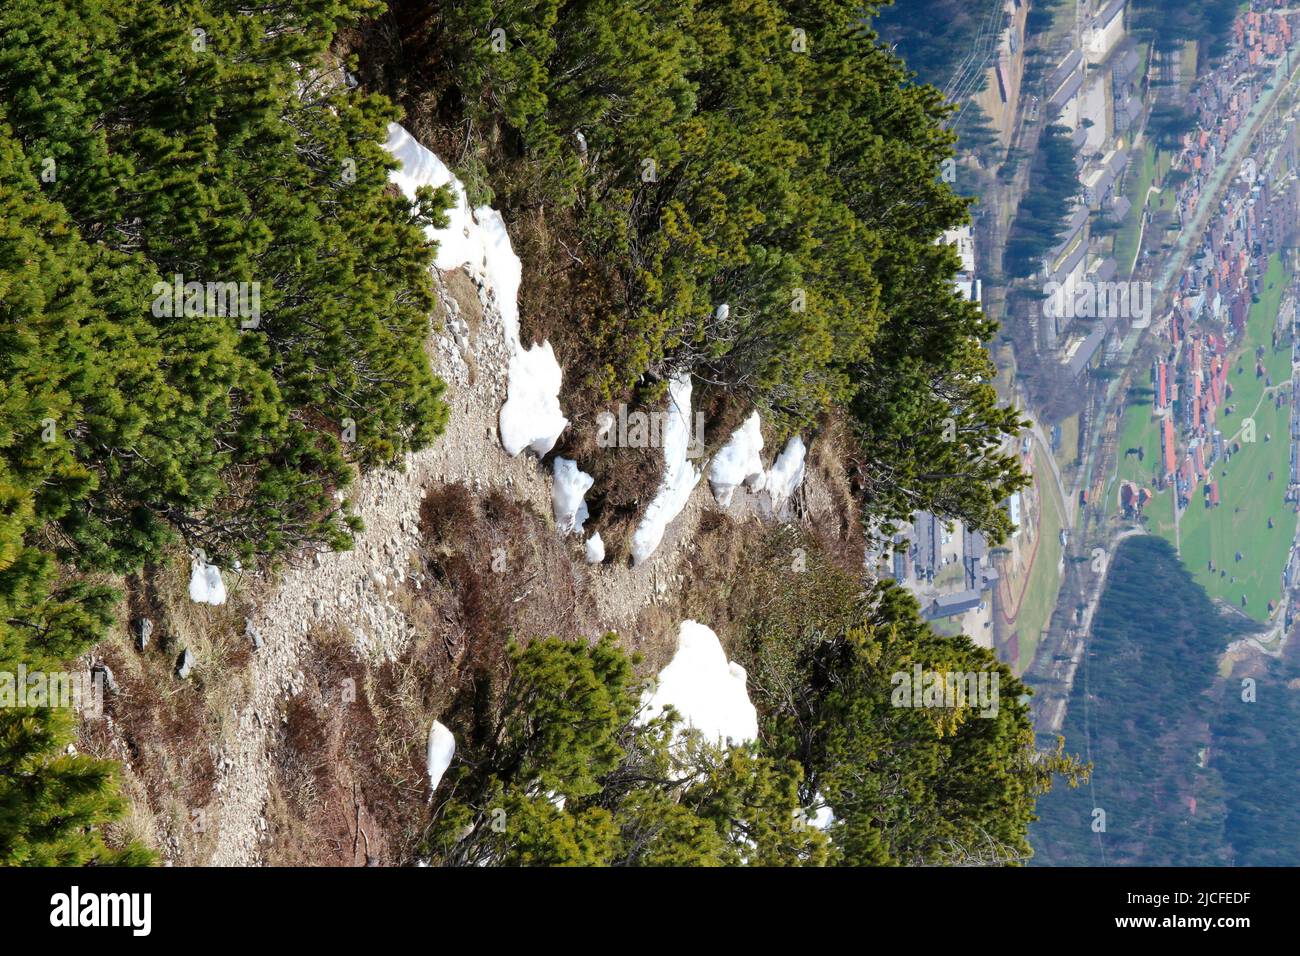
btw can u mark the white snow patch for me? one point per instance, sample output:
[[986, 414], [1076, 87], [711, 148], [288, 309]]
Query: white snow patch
[[786, 473], [477, 239], [567, 492], [206, 586], [823, 816], [738, 462], [680, 476], [595, 549], [442, 746], [531, 416], [706, 690]]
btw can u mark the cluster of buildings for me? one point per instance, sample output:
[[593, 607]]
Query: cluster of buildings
[[1260, 209], [949, 568], [1132, 499], [963, 240], [1095, 92], [1196, 378], [927, 555], [1257, 216], [1191, 388]]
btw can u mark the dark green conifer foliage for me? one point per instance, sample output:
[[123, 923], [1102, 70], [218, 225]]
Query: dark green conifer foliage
[[767, 154], [568, 776], [207, 139]]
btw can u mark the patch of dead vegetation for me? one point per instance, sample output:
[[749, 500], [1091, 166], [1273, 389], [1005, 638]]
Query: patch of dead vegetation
[[738, 566], [350, 758], [348, 781], [497, 567], [167, 732]]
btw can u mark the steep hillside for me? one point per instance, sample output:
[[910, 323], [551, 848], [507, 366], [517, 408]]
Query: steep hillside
[[496, 487]]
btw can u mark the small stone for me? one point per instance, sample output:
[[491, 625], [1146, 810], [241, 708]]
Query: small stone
[[186, 664], [105, 673], [143, 631], [253, 634]]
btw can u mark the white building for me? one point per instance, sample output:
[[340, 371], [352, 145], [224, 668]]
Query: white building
[[1104, 31], [1063, 90], [964, 240]]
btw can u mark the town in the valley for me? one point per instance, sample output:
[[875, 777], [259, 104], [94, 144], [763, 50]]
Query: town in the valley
[[1151, 350]]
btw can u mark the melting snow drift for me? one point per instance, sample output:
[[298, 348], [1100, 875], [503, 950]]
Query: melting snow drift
[[738, 462], [680, 476], [786, 473], [442, 747], [705, 689], [478, 240], [567, 493]]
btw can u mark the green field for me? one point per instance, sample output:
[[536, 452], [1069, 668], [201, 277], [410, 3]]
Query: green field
[[1249, 499], [1167, 199], [1044, 576], [1141, 430], [1140, 176], [1187, 73], [1069, 451]]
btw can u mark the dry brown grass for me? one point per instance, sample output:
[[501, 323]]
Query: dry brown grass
[[167, 732], [337, 761], [346, 765], [736, 566], [310, 813], [829, 502], [349, 779]]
